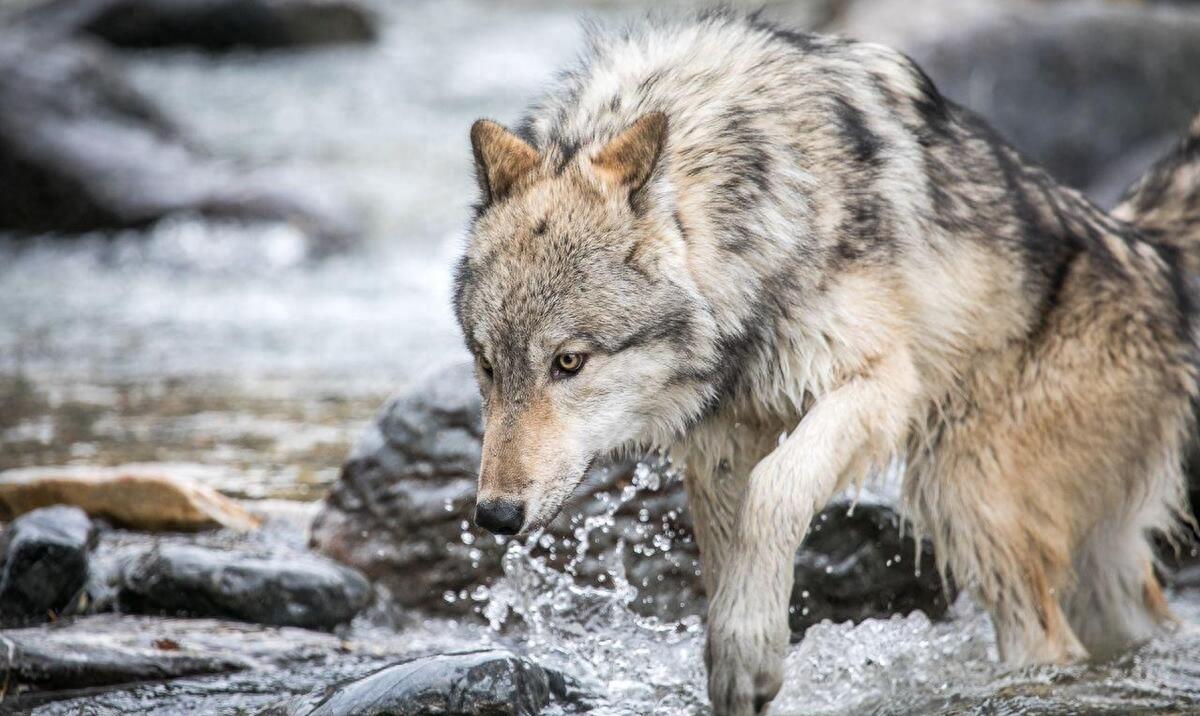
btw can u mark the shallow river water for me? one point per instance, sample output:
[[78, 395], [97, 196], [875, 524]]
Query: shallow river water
[[223, 351]]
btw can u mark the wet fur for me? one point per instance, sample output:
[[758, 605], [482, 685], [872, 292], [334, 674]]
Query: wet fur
[[821, 267]]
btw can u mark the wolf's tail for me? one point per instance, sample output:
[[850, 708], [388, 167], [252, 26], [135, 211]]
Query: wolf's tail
[[1165, 202]]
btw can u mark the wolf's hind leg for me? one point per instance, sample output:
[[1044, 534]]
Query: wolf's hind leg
[[1020, 582], [1031, 627], [1001, 541], [1117, 601]]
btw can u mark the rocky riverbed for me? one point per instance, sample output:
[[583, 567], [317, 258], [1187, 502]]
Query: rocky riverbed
[[601, 613], [222, 252]]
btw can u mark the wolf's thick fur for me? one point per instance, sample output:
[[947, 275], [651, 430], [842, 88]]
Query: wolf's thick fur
[[789, 260]]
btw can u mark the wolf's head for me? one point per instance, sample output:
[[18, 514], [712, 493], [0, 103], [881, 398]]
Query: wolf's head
[[575, 299]]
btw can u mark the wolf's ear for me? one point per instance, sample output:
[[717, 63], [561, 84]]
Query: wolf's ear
[[628, 160], [501, 159]]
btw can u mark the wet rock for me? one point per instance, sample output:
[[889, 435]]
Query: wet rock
[[1092, 91], [45, 566], [134, 664], [401, 508], [80, 150], [477, 683], [855, 564], [77, 656], [210, 24], [129, 498], [293, 590], [1186, 576]]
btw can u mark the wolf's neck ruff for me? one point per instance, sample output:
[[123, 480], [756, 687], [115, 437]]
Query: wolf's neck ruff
[[791, 258]]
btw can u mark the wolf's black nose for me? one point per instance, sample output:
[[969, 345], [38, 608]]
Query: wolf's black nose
[[500, 516]]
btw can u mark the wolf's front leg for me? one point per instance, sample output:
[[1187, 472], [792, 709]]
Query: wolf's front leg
[[714, 493], [860, 423]]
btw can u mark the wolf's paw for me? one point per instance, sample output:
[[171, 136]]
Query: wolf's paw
[[745, 668]]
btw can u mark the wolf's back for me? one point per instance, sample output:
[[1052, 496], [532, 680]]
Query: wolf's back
[[1165, 202]]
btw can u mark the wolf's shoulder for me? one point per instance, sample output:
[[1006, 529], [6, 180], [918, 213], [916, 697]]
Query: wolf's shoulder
[[705, 38], [704, 64]]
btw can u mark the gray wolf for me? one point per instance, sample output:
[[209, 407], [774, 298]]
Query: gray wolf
[[789, 260]]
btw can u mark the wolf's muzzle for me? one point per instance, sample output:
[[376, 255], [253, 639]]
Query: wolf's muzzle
[[500, 516]]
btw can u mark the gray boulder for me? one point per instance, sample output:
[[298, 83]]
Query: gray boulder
[[80, 656], [80, 149], [209, 24], [1092, 91], [45, 566], [120, 663], [288, 590], [476, 683], [401, 512], [857, 563]]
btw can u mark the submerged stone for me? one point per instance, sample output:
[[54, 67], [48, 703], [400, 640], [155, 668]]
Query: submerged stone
[[127, 664], [300, 590], [80, 656], [474, 683], [45, 555]]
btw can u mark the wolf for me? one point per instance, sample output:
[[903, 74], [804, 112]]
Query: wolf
[[788, 260]]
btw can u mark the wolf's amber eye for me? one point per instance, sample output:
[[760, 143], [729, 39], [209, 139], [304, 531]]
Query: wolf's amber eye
[[485, 366], [568, 364]]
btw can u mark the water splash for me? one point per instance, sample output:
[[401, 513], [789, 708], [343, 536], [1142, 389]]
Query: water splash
[[856, 668], [635, 664]]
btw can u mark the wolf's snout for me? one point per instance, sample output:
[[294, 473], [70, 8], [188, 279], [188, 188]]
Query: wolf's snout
[[500, 516]]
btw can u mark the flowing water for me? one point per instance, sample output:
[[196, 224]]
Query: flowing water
[[901, 665], [224, 351]]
